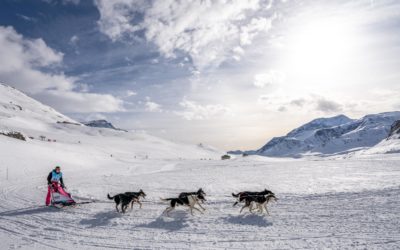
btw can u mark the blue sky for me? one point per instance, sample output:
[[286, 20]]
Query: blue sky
[[228, 73]]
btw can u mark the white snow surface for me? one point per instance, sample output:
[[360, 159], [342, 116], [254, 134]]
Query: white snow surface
[[324, 203]]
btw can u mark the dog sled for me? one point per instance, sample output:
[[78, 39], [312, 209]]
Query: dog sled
[[59, 197]]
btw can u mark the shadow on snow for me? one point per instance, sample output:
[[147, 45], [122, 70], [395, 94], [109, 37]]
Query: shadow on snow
[[248, 219], [100, 219], [176, 221], [29, 211]]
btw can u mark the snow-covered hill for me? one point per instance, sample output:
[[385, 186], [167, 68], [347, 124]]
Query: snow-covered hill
[[102, 124], [395, 130], [332, 135], [45, 127], [389, 145]]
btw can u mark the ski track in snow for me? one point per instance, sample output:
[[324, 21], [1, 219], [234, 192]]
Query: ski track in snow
[[365, 219]]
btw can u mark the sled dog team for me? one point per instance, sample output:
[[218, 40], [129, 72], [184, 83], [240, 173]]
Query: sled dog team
[[191, 199], [56, 195]]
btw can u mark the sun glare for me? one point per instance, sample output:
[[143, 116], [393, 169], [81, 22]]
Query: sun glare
[[319, 48]]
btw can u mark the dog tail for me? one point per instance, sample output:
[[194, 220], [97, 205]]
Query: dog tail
[[109, 197], [167, 199], [235, 195]]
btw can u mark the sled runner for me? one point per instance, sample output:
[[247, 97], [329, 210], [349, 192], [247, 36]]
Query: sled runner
[[59, 197]]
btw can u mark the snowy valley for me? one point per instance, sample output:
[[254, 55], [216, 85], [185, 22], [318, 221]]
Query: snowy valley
[[340, 201]]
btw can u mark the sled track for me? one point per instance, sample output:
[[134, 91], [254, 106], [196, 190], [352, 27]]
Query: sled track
[[343, 220]]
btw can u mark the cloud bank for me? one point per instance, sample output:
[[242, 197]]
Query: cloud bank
[[33, 67], [210, 32]]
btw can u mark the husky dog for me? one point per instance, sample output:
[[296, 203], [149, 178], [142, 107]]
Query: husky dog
[[242, 195], [184, 194], [261, 202], [125, 199], [136, 198], [189, 200]]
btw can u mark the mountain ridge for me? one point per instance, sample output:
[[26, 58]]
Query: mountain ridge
[[331, 135]]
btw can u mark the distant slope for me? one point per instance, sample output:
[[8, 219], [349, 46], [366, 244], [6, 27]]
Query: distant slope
[[332, 135], [389, 145], [395, 130], [102, 124], [46, 127]]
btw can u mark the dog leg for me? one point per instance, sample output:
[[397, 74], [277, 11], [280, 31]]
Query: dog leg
[[266, 209], [140, 204], [242, 209], [201, 207], [191, 210], [167, 210], [116, 207], [260, 208], [123, 208], [251, 207], [133, 201], [196, 209]]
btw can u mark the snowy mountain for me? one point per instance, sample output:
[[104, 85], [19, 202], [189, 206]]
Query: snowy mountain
[[332, 135], [37, 122], [101, 124], [389, 145], [395, 130]]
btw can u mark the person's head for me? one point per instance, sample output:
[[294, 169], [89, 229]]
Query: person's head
[[58, 169]]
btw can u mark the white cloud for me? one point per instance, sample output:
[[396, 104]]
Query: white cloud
[[306, 104], [64, 2], [194, 111], [75, 2], [74, 102], [153, 107], [26, 18], [74, 40], [95, 116], [207, 31], [269, 78], [256, 25], [327, 106], [22, 67], [130, 93]]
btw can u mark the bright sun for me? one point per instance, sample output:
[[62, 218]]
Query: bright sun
[[319, 48]]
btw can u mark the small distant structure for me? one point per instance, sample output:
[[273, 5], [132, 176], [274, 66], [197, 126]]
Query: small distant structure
[[225, 157], [42, 138], [245, 155]]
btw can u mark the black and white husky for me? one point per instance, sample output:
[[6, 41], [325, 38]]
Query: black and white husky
[[189, 200], [241, 196], [127, 198], [137, 196], [261, 202]]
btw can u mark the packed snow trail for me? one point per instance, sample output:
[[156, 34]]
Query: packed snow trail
[[315, 207]]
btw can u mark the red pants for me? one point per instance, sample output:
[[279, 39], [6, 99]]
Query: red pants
[[55, 187]]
